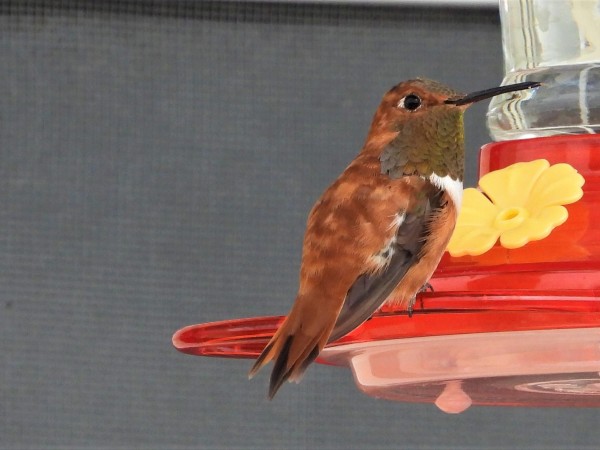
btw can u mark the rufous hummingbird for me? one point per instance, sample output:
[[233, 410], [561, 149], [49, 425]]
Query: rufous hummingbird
[[379, 231]]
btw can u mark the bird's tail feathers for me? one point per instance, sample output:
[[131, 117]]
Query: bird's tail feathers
[[295, 345]]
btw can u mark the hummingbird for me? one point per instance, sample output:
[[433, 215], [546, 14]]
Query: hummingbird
[[377, 233]]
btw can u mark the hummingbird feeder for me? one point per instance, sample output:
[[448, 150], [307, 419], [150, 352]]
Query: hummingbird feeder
[[514, 318]]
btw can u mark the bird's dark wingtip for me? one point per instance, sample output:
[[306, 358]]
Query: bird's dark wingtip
[[282, 373], [280, 370], [309, 359]]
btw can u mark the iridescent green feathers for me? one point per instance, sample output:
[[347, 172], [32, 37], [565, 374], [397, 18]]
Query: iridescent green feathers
[[432, 142]]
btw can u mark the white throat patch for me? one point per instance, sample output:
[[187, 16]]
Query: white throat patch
[[454, 188]]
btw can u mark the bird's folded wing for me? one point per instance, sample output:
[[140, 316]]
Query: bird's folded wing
[[370, 291]]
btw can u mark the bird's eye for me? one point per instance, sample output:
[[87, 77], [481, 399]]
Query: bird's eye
[[410, 102]]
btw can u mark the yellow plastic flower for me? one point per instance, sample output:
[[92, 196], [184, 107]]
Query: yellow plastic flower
[[517, 204]]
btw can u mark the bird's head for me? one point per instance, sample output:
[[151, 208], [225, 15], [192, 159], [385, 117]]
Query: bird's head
[[418, 127]]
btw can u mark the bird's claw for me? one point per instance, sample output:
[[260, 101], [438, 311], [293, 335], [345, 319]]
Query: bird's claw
[[411, 303], [425, 287]]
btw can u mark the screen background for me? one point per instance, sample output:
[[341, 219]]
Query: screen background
[[158, 161]]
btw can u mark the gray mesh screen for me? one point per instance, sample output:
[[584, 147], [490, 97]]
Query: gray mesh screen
[[158, 160]]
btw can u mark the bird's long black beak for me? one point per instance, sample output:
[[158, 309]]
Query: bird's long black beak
[[487, 93]]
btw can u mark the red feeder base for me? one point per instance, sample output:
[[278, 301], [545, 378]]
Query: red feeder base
[[514, 327]]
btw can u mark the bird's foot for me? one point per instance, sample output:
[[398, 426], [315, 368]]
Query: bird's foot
[[411, 303], [426, 287]]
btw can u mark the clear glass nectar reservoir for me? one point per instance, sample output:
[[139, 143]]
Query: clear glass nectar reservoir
[[556, 43]]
